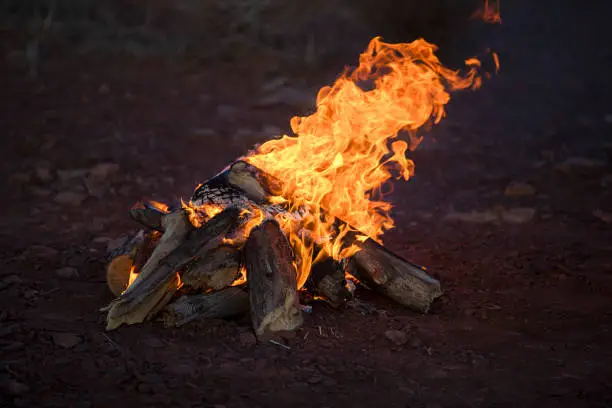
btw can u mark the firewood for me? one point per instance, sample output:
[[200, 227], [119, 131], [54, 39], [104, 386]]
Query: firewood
[[406, 283], [225, 303], [121, 263], [155, 284], [393, 276], [271, 277], [216, 269], [148, 216], [326, 280]]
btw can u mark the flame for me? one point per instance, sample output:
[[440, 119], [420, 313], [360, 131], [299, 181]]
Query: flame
[[160, 206], [490, 13], [341, 155]]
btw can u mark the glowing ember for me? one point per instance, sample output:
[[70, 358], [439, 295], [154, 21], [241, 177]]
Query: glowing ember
[[490, 12], [342, 154]]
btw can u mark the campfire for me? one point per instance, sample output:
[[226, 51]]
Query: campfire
[[299, 218]]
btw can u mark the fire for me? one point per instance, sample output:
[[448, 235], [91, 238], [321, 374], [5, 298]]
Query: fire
[[489, 13], [343, 154]]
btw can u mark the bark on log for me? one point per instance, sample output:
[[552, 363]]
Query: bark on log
[[271, 278], [148, 216], [216, 269], [225, 303], [393, 276], [153, 289], [327, 281]]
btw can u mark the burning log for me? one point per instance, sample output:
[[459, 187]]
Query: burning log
[[327, 280], [148, 216], [216, 269], [225, 303], [393, 276], [158, 279], [121, 263], [271, 276]]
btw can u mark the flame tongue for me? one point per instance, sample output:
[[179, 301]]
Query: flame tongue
[[341, 155]]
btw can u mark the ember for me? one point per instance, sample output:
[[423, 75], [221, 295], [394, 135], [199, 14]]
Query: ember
[[299, 214]]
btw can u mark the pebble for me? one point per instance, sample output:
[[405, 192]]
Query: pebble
[[41, 252], [479, 217], [581, 165], [397, 337], [43, 173], [247, 339], [67, 272], [70, 198], [518, 215], [66, 340], [67, 176], [103, 171]]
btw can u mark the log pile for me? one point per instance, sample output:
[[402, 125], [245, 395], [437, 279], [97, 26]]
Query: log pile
[[224, 255]]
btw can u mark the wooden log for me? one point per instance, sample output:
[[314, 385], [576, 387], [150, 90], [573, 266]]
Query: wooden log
[[121, 262], [214, 270], [393, 276], [271, 277], [222, 304], [327, 281], [151, 291], [374, 265], [148, 215]]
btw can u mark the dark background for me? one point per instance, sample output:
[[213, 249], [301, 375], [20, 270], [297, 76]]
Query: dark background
[[103, 103]]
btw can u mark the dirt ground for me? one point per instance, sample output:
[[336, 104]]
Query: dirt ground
[[526, 318]]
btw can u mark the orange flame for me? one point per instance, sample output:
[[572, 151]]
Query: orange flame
[[341, 155], [489, 13]]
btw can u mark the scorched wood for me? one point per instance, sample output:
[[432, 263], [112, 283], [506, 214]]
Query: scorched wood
[[216, 269], [222, 304], [271, 277], [153, 289], [393, 276]]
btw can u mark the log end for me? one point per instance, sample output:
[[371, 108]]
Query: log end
[[285, 318], [118, 274]]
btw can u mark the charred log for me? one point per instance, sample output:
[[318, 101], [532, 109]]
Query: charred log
[[223, 304], [216, 269], [393, 276], [271, 276], [158, 279], [326, 280]]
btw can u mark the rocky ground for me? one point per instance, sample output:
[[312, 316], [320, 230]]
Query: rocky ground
[[511, 208]]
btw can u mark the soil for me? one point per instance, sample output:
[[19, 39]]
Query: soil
[[525, 319]]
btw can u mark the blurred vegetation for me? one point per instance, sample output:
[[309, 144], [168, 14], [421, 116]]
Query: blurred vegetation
[[302, 30]]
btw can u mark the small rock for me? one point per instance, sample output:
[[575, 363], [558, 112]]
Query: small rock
[[315, 379], [273, 84], [152, 342], [30, 294], [398, 337], [43, 173], [41, 252], [70, 198], [103, 89], [288, 96], [67, 272], [518, 215], [103, 171], [480, 217], [580, 165], [226, 111], [39, 191], [247, 339], [67, 176], [603, 216], [517, 189], [243, 133], [145, 388], [66, 340], [102, 240]]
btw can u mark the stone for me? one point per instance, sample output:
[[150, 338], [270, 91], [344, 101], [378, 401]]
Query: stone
[[43, 173], [273, 84], [271, 131], [479, 217], [71, 198], [67, 176], [518, 189], [103, 171], [397, 337], [66, 340], [581, 165], [41, 252], [116, 243], [518, 215], [67, 272]]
